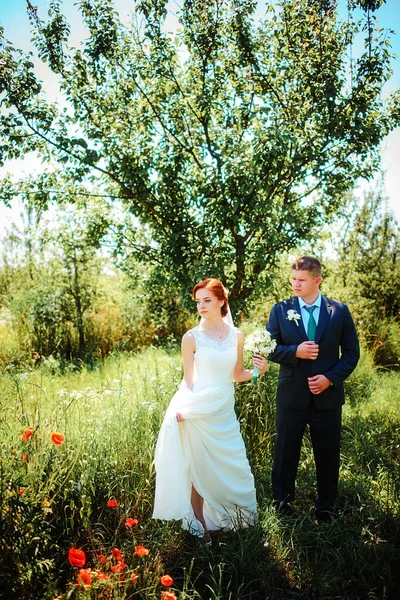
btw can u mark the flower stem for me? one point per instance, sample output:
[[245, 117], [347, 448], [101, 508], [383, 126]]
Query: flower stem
[[256, 373]]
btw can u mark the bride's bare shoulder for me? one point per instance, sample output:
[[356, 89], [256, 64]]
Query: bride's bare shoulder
[[239, 334], [188, 335], [188, 340]]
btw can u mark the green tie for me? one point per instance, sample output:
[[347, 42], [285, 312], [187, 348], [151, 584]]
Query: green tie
[[312, 326]]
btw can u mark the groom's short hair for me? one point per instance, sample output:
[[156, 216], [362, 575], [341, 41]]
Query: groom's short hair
[[308, 263]]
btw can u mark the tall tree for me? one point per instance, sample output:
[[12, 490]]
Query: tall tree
[[369, 260], [367, 274], [50, 275], [229, 140]]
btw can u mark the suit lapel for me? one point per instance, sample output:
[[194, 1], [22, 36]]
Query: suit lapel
[[324, 318], [300, 329]]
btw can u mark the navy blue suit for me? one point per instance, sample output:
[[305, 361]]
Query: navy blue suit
[[297, 406]]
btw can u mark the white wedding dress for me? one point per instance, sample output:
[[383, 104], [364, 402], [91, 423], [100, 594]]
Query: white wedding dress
[[206, 450]]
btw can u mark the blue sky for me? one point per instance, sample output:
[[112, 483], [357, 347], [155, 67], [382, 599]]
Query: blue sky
[[15, 21]]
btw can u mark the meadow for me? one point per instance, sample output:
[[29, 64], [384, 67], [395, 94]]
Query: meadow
[[91, 488]]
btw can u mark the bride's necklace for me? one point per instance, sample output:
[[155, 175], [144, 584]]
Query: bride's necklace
[[219, 332]]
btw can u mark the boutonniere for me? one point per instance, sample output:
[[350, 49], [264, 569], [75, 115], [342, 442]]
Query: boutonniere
[[293, 315]]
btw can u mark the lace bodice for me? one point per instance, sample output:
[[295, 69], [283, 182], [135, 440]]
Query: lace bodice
[[214, 361]]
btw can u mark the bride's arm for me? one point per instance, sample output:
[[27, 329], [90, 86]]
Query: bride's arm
[[242, 374], [188, 348]]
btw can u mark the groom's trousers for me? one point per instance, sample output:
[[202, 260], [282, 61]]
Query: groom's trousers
[[325, 429]]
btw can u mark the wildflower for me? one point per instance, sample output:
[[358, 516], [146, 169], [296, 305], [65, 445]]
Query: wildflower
[[24, 458], [134, 577], [26, 434], [100, 574], [166, 580], [168, 596], [35, 356], [117, 554], [84, 576], [21, 491], [141, 551], [119, 567], [112, 503], [102, 558], [57, 438], [76, 557], [131, 522]]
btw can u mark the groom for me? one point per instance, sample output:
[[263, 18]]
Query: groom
[[317, 349]]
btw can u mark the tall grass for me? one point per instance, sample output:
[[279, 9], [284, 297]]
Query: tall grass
[[110, 417]]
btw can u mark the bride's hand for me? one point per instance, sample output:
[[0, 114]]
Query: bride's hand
[[179, 417], [261, 363]]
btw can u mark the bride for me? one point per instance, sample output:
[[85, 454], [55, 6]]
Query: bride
[[202, 473]]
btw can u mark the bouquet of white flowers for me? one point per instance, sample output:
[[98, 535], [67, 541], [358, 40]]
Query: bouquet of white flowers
[[259, 342]]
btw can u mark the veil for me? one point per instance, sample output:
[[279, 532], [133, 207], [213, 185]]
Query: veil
[[228, 318]]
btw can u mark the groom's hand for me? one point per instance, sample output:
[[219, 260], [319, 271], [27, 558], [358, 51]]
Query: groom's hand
[[307, 350], [318, 384]]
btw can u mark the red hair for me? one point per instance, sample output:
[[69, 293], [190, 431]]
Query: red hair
[[215, 286]]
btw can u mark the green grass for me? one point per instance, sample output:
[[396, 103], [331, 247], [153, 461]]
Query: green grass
[[110, 417]]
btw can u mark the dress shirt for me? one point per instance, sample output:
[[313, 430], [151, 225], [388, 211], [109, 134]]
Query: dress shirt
[[305, 315]]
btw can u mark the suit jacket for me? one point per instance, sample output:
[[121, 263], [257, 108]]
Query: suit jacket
[[339, 352]]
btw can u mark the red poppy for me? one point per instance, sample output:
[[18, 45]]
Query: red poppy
[[84, 576], [26, 434], [21, 491], [131, 522], [117, 554], [166, 580], [76, 557], [112, 503], [119, 567], [102, 558], [141, 551], [134, 577], [168, 596], [57, 438], [24, 458], [100, 574]]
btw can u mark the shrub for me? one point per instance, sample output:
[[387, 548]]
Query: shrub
[[386, 344]]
